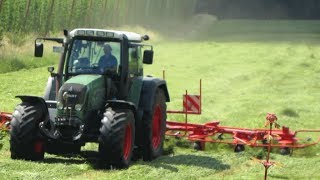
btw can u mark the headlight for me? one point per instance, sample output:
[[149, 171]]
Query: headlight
[[78, 107], [59, 105]]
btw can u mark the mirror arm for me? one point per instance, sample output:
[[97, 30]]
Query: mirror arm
[[142, 45], [58, 40]]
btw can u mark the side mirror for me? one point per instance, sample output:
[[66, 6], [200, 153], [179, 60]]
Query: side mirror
[[38, 49], [147, 56]]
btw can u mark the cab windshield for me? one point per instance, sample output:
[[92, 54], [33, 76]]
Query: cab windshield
[[94, 57]]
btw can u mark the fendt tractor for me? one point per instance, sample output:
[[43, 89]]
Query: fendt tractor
[[89, 101]]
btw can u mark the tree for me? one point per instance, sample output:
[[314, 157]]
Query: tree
[[26, 15], [49, 18]]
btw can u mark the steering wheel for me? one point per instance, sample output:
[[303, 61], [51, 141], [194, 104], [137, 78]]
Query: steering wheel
[[95, 65]]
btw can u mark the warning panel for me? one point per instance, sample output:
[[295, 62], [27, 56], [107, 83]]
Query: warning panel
[[191, 104]]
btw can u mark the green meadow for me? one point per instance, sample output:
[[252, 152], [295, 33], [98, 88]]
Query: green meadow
[[247, 68]]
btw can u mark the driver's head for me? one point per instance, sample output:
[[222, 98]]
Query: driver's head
[[107, 49]]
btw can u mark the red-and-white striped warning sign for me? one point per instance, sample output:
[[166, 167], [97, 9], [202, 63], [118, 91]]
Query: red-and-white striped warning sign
[[191, 103]]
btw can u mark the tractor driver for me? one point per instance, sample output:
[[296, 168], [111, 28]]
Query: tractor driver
[[108, 62]]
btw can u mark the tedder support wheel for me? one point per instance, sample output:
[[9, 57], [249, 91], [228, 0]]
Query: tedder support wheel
[[25, 141], [285, 151], [154, 126], [239, 148], [117, 136], [199, 146]]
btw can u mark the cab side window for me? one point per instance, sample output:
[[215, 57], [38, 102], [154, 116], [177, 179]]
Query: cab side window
[[135, 62]]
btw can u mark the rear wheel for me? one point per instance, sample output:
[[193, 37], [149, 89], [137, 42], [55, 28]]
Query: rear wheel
[[116, 141], [25, 141], [153, 129]]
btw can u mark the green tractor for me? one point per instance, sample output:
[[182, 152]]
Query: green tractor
[[94, 99]]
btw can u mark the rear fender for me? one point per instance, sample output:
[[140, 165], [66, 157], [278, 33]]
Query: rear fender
[[148, 91]]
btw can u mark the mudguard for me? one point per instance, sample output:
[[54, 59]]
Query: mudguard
[[35, 99], [149, 87]]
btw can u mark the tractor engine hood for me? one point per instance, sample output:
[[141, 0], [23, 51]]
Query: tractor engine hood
[[81, 94], [77, 97]]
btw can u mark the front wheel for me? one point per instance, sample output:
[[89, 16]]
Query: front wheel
[[117, 136], [25, 141], [154, 126]]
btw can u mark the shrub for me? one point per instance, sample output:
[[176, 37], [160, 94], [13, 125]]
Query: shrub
[[9, 64], [17, 39]]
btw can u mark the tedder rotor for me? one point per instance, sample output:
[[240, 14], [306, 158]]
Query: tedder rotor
[[213, 132]]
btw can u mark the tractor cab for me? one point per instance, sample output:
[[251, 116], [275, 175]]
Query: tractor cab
[[113, 54]]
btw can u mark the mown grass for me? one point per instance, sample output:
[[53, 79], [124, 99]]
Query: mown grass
[[242, 81]]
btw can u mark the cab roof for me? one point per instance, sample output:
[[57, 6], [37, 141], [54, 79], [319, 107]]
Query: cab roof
[[134, 37]]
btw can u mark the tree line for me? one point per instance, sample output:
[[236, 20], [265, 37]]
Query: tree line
[[261, 9], [44, 16]]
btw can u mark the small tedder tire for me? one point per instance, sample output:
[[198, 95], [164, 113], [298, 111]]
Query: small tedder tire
[[25, 141], [285, 151], [199, 146], [154, 127], [117, 136], [239, 148]]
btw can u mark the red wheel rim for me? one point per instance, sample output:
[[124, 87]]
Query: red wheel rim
[[127, 141], [156, 127]]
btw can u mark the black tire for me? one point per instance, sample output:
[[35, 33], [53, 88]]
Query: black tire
[[285, 151], [117, 136], [239, 148], [199, 146], [154, 127], [25, 140]]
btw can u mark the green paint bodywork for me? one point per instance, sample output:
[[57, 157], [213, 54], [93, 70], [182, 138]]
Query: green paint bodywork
[[95, 95], [135, 90]]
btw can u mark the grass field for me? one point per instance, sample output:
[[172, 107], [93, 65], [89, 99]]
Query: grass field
[[245, 74]]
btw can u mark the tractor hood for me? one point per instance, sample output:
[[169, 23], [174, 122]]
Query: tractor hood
[[81, 93], [84, 79]]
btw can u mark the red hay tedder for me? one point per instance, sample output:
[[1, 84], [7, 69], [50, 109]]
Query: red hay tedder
[[5, 119], [213, 132]]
